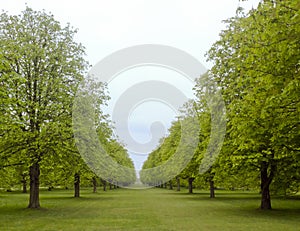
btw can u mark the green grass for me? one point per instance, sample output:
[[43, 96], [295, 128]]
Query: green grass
[[152, 209]]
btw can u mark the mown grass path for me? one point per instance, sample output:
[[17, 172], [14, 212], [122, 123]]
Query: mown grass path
[[152, 209]]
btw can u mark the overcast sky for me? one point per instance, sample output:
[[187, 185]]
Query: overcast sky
[[107, 26]]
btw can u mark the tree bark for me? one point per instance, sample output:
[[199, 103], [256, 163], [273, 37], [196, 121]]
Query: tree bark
[[265, 185], [94, 184], [191, 179], [178, 183], [76, 185], [212, 187], [104, 185], [171, 185], [24, 183], [34, 173]]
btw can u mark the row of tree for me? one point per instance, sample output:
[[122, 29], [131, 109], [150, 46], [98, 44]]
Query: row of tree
[[41, 67], [256, 65]]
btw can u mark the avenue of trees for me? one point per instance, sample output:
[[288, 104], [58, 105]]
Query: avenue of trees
[[256, 64], [40, 68]]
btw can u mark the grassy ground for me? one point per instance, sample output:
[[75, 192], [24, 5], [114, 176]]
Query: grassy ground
[[152, 209]]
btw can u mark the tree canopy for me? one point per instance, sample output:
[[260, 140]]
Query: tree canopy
[[256, 66], [41, 68]]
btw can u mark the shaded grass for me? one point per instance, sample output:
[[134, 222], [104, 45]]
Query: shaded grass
[[151, 209]]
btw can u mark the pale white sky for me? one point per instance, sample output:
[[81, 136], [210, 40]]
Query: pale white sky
[[107, 26]]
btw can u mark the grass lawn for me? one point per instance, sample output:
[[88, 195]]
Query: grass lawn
[[151, 209]]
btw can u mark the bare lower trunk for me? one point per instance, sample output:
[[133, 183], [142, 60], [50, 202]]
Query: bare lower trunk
[[265, 186], [171, 185], [94, 184], [191, 179], [76, 185], [178, 183], [265, 199], [24, 183], [34, 173], [104, 184]]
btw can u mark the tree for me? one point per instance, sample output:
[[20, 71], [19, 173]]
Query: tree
[[166, 149], [210, 110], [44, 67], [99, 149], [256, 63], [174, 155]]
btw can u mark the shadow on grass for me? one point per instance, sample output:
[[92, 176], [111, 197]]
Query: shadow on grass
[[219, 194], [220, 198], [247, 205], [53, 206], [81, 198], [282, 214]]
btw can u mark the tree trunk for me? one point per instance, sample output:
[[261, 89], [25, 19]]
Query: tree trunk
[[34, 173], [76, 185], [178, 183], [110, 186], [24, 183], [265, 186], [212, 187], [191, 179], [94, 184], [104, 185], [171, 185]]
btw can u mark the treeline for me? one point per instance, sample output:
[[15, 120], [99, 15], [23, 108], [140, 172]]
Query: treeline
[[256, 65], [41, 68]]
